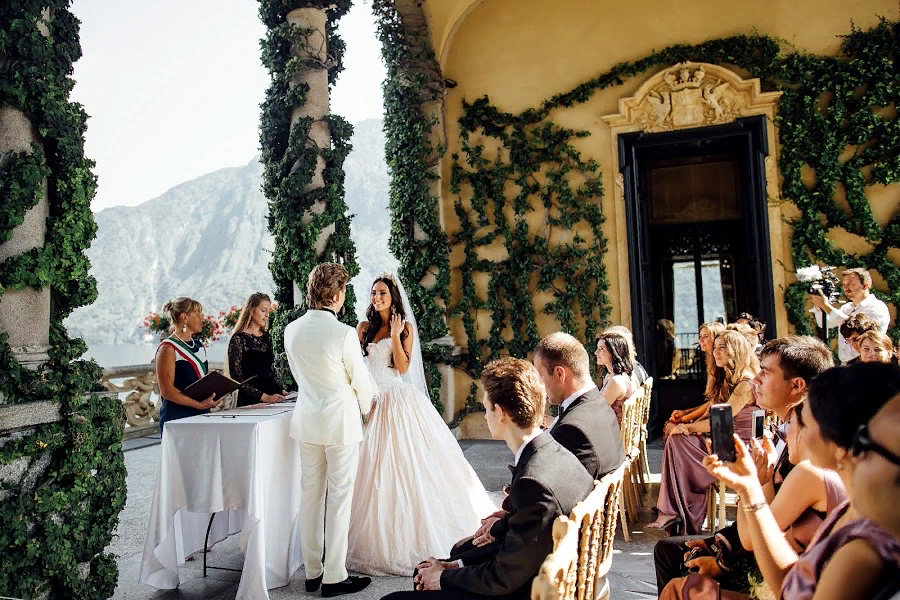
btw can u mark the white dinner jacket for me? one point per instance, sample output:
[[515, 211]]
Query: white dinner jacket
[[334, 386]]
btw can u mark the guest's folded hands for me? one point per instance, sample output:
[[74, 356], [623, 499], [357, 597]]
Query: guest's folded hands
[[704, 565]]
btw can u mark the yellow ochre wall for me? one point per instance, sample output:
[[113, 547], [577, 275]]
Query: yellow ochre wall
[[520, 52]]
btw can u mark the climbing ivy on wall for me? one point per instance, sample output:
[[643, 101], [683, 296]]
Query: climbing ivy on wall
[[56, 521], [528, 202], [289, 165], [409, 152]]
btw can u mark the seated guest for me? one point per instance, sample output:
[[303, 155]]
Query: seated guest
[[748, 332], [854, 327], [707, 334], [787, 365], [856, 551], [876, 450], [684, 480], [547, 481], [640, 373], [180, 361], [803, 502], [618, 385], [875, 346], [250, 356], [586, 425]]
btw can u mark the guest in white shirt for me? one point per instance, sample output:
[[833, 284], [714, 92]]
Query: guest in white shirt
[[857, 284]]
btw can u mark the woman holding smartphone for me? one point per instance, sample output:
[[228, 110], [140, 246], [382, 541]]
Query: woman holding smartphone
[[684, 480]]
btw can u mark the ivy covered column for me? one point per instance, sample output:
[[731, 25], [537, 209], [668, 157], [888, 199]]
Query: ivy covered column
[[303, 151], [311, 53], [24, 313]]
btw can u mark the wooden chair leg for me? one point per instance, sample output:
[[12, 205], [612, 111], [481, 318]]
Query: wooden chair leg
[[622, 519], [711, 507]]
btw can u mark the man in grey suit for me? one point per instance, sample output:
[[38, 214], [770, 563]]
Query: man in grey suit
[[334, 392]]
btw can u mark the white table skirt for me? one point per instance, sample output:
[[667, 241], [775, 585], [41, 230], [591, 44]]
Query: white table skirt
[[241, 461]]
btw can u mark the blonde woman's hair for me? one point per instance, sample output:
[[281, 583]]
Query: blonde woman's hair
[[247, 312], [181, 306], [745, 330], [714, 328], [741, 360], [879, 338], [325, 282]]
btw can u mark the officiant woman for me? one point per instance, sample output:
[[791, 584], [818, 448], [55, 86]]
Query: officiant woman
[[250, 355], [180, 361]]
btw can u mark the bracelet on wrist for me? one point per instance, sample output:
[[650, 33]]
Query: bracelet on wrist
[[752, 508]]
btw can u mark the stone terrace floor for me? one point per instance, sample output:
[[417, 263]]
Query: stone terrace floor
[[632, 574]]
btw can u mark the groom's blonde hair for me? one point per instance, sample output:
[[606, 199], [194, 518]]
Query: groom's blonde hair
[[325, 282]]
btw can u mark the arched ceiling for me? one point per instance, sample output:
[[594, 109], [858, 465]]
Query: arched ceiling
[[444, 18]]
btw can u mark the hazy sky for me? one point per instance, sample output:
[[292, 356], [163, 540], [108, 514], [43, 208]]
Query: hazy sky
[[173, 88]]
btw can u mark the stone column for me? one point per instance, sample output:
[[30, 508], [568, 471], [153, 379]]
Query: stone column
[[24, 314], [314, 52]]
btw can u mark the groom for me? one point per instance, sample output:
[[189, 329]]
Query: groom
[[334, 390]]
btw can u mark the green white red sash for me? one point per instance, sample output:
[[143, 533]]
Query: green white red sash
[[183, 350]]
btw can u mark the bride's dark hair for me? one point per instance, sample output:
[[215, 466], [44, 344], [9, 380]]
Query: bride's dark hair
[[374, 318]]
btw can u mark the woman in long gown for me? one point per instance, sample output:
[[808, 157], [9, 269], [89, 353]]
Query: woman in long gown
[[416, 494], [707, 334], [684, 480]]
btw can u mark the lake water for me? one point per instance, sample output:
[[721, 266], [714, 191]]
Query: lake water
[[120, 355]]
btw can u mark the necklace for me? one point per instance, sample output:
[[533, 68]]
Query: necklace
[[189, 343]]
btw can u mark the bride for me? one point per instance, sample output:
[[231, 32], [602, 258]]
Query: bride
[[416, 494]]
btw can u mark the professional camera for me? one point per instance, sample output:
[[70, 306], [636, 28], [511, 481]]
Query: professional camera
[[822, 281]]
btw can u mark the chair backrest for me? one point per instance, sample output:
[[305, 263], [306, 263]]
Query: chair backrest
[[629, 426], [582, 545], [648, 391], [596, 516], [556, 579]]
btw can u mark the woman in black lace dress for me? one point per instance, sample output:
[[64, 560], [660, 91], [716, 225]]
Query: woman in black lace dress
[[250, 354]]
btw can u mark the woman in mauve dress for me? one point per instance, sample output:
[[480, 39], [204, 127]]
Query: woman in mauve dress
[[706, 334], [805, 499], [852, 427], [684, 481]]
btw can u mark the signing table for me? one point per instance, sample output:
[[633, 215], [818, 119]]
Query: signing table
[[242, 465]]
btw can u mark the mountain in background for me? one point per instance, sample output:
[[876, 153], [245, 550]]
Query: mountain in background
[[208, 239]]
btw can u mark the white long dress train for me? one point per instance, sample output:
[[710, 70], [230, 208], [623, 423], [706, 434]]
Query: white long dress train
[[416, 494]]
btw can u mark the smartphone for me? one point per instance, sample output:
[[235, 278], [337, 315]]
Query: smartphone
[[721, 429], [759, 423]]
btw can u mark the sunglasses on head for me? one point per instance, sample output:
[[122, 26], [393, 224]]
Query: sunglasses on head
[[863, 442]]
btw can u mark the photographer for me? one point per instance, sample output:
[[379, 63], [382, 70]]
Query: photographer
[[856, 283]]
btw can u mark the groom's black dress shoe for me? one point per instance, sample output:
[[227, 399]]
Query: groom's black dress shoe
[[351, 585], [313, 584]]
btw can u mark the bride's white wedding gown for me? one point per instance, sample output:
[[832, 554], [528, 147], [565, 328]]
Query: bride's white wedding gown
[[416, 494]]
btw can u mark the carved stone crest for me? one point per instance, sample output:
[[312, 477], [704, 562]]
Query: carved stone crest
[[686, 95]]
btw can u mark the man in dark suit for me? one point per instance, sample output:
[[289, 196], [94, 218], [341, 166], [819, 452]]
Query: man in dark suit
[[548, 481], [586, 426], [787, 365]]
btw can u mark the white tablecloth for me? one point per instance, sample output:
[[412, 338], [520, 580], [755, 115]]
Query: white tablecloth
[[241, 461]]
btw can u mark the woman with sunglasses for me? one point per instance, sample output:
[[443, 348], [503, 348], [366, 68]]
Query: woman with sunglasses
[[852, 555]]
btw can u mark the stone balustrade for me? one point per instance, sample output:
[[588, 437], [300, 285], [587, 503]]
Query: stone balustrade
[[137, 387]]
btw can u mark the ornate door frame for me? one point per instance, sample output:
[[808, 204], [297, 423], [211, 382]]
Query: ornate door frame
[[690, 96]]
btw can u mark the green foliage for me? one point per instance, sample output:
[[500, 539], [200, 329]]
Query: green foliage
[[289, 159], [53, 531], [409, 152], [534, 196]]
